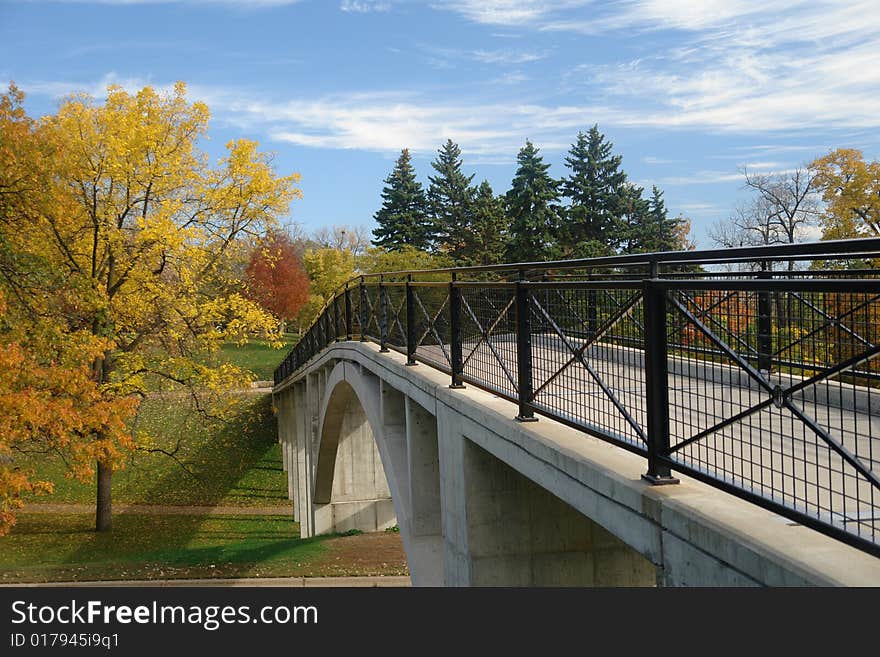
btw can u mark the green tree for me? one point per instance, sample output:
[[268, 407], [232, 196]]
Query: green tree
[[650, 227], [486, 240], [451, 200], [377, 260], [595, 191], [532, 209], [402, 218]]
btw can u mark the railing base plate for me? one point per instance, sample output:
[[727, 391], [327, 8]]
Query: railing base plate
[[658, 480], [521, 418]]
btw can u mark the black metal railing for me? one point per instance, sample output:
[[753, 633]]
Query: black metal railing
[[754, 370]]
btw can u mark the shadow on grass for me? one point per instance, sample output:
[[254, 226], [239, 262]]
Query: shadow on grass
[[231, 470]]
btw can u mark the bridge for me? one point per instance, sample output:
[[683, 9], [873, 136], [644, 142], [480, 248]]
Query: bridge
[[706, 418]]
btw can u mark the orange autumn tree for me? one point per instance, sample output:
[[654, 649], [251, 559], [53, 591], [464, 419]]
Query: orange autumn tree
[[49, 403], [275, 276], [134, 240]]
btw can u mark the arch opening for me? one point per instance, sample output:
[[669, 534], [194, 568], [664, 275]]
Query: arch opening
[[351, 488]]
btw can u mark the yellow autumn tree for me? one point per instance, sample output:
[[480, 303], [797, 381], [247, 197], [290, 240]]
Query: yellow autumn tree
[[328, 268], [142, 238], [851, 190]]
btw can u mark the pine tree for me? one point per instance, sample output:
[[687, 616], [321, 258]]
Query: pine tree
[[486, 238], [595, 192], [651, 228], [531, 209], [402, 218], [634, 219], [450, 199]]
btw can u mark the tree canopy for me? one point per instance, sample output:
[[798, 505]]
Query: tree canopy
[[402, 220], [850, 187], [597, 197], [126, 243], [451, 201], [532, 209], [275, 276]]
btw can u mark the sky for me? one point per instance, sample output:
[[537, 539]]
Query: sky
[[688, 91]]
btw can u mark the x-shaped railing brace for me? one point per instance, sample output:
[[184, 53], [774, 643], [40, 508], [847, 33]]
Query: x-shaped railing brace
[[579, 356], [485, 333], [830, 322], [431, 322], [781, 397]]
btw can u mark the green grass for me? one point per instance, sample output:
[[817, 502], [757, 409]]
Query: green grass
[[65, 547], [258, 356], [237, 463]]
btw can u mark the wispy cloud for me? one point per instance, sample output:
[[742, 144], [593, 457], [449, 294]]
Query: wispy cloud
[[702, 178], [514, 77], [364, 6], [505, 56], [508, 12], [699, 208], [742, 66]]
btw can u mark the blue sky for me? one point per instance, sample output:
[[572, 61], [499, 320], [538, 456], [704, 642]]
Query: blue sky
[[689, 91]]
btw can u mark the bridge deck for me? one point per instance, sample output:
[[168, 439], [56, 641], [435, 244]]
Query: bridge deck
[[782, 451]]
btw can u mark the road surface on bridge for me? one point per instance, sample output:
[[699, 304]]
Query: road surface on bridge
[[775, 452]]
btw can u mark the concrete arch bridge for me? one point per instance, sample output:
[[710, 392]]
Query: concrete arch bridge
[[519, 422]]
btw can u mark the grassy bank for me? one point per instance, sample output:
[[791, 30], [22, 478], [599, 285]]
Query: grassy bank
[[64, 547], [257, 355], [233, 463]]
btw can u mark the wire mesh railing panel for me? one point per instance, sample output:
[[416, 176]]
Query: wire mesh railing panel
[[587, 367], [372, 312], [395, 300], [432, 330], [352, 305], [804, 435], [488, 329]]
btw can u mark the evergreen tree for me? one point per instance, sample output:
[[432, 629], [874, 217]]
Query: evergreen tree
[[402, 218], [595, 193], [532, 210], [634, 219], [485, 239], [451, 200], [651, 229]]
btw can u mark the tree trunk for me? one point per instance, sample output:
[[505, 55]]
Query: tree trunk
[[104, 498]]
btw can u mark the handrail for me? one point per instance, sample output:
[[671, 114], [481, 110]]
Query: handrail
[[763, 384], [855, 248]]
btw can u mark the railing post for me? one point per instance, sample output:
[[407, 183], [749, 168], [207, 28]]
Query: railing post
[[455, 333], [765, 325], [656, 381], [347, 313], [336, 319], [524, 351], [410, 323], [363, 310], [383, 317], [592, 310], [327, 337]]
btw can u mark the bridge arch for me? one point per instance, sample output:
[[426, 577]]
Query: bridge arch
[[355, 483]]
